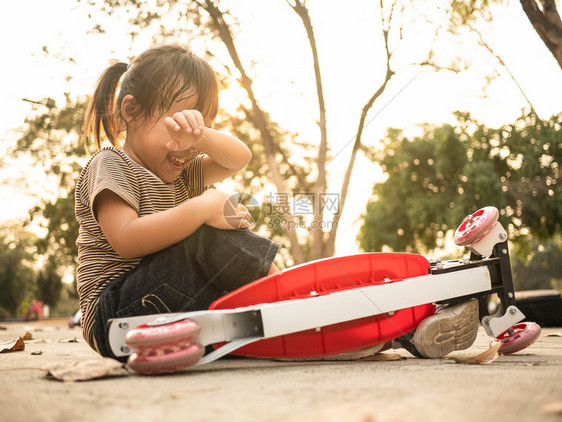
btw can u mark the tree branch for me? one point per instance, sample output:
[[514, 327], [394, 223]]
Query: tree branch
[[330, 246], [501, 62], [547, 23]]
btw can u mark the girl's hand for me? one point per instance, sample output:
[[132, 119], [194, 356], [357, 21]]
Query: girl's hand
[[185, 127], [223, 212]]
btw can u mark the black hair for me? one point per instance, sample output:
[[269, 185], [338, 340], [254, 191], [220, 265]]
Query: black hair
[[155, 79]]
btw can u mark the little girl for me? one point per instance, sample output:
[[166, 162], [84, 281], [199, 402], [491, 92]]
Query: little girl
[[152, 237]]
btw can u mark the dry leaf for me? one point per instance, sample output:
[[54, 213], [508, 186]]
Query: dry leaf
[[557, 334], [38, 340], [83, 371], [69, 340], [14, 345], [27, 336], [3, 327], [30, 328], [483, 358], [37, 353]]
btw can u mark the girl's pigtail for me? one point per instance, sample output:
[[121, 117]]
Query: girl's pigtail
[[101, 110]]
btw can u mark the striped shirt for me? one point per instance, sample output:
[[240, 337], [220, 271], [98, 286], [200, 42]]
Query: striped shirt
[[112, 169]]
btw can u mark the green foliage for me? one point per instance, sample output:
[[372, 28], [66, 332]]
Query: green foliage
[[51, 132], [541, 268], [49, 284], [51, 135], [62, 230], [16, 273], [68, 301], [531, 184], [437, 178], [416, 204], [50, 138]]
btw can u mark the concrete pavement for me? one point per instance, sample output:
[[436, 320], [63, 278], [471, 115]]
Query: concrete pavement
[[522, 387]]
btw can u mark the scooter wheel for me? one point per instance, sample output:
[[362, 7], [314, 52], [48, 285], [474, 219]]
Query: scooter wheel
[[146, 336], [476, 225], [166, 360], [165, 347], [519, 337]]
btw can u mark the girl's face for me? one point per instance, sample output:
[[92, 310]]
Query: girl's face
[[149, 143]]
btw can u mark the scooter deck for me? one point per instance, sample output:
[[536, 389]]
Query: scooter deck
[[324, 277]]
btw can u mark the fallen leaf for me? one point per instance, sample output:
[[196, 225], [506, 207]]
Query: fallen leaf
[[69, 340], [483, 358], [557, 334], [3, 327], [37, 353], [27, 336], [14, 345], [84, 370], [30, 328], [38, 340]]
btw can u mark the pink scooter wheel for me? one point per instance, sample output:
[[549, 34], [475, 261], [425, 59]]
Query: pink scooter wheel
[[476, 225], [147, 337], [166, 360], [521, 336], [164, 348]]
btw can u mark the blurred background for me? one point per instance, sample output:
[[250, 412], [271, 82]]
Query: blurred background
[[374, 126]]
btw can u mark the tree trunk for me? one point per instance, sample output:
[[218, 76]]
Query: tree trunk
[[257, 116], [547, 23], [317, 233]]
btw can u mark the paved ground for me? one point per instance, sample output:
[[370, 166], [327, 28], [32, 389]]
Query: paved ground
[[521, 387]]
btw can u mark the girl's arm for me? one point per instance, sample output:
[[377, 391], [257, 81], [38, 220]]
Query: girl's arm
[[132, 236], [226, 155]]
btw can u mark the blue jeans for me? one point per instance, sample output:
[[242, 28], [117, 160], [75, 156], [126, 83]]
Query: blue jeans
[[184, 277]]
